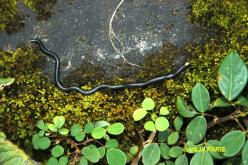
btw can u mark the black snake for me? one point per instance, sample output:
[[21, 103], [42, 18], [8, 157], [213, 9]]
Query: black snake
[[101, 86]]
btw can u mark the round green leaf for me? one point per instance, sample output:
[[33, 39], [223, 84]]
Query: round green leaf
[[212, 145], [35, 141], [52, 128], [244, 154], [148, 104], [115, 129], [182, 160], [175, 151], [139, 114], [173, 138], [164, 111], [44, 143], [83, 161], [88, 128], [196, 129], [63, 160], [112, 143], [164, 150], [149, 126], [116, 157], [102, 151], [52, 161], [200, 97], [101, 123], [232, 76], [151, 154], [201, 158], [64, 131], [168, 162], [161, 124], [183, 108], [134, 150], [233, 142], [242, 101], [41, 133], [178, 123], [91, 154], [75, 129], [57, 151], [41, 124], [98, 133], [59, 121], [80, 136]]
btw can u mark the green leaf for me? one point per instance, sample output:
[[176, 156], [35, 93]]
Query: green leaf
[[244, 154], [164, 150], [200, 97], [232, 76], [178, 123], [212, 146], [98, 133], [183, 108], [80, 136], [64, 131], [134, 150], [52, 128], [175, 151], [139, 114], [52, 161], [2, 137], [88, 128], [44, 143], [102, 151], [57, 151], [149, 126], [162, 136], [221, 102], [91, 154], [173, 138], [63, 160], [83, 161], [41, 133], [201, 158], [151, 154], [6, 82], [233, 142], [188, 147], [182, 160], [59, 121], [168, 162], [164, 111], [115, 157], [242, 101], [35, 139], [196, 129], [75, 129], [115, 129], [10, 154], [161, 124], [101, 123], [41, 124], [148, 104], [112, 143]]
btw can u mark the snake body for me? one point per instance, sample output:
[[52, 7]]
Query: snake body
[[55, 57]]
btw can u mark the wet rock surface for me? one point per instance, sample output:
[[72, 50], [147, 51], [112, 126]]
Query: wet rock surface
[[78, 31]]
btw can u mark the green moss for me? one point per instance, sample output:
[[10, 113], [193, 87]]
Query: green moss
[[8, 12]]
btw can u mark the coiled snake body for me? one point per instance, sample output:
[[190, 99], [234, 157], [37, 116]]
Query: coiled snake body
[[55, 57]]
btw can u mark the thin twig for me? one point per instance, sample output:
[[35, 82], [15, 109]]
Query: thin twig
[[112, 35]]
